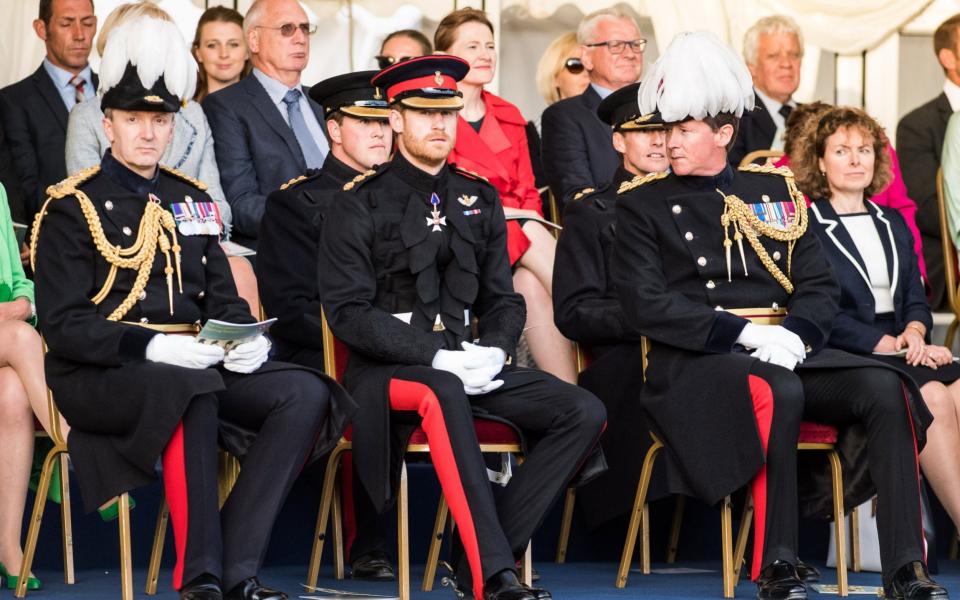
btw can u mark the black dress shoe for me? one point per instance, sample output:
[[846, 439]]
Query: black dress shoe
[[505, 586], [250, 589], [808, 573], [372, 567], [912, 582], [204, 587], [779, 581]]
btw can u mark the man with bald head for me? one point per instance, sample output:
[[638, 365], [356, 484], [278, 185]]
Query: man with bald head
[[266, 130]]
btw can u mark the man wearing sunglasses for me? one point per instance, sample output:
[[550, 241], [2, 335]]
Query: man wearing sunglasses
[[271, 107], [576, 144], [401, 46]]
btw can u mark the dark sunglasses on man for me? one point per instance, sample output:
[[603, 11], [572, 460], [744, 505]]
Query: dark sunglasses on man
[[288, 29], [574, 65], [388, 61]]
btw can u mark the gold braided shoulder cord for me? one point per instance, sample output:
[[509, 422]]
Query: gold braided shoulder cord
[[738, 214], [139, 256]]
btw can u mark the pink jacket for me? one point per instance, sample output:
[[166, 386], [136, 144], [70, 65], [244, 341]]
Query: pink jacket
[[892, 196]]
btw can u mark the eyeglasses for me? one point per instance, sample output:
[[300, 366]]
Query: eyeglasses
[[386, 61], [288, 29], [617, 46], [573, 65]]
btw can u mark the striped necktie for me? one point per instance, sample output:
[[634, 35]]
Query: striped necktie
[[78, 84]]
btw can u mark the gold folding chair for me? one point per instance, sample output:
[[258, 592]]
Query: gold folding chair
[[331, 509], [732, 558], [770, 156], [59, 453]]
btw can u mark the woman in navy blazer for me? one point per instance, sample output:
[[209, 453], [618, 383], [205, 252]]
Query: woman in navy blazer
[[883, 308]]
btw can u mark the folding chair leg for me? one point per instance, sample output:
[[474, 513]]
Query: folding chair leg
[[156, 552], [741, 548], [726, 539], [639, 501], [951, 332], [126, 553], [528, 565], [565, 524], [854, 538], [840, 523], [337, 530], [403, 540], [33, 532], [674, 542], [436, 540], [66, 520], [645, 540], [323, 514]]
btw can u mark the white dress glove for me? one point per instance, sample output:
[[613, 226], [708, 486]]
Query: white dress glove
[[756, 336], [468, 366], [182, 351], [776, 355], [247, 358], [493, 361]]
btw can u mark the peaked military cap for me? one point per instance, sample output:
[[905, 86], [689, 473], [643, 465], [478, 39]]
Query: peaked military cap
[[351, 94], [424, 82], [621, 111]]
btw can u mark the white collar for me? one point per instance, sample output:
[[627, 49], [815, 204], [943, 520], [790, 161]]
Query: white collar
[[952, 91]]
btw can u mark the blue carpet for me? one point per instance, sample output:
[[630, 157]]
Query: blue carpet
[[573, 581]]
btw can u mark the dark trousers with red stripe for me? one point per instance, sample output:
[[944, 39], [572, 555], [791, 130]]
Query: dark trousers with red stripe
[[563, 420], [286, 409], [870, 397]]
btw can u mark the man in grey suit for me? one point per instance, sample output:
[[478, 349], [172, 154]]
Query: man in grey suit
[[920, 136], [576, 144], [266, 130], [34, 110]]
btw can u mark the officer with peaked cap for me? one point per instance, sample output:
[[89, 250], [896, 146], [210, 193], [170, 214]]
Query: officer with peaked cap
[[360, 139], [588, 311], [410, 256], [128, 267], [716, 267]]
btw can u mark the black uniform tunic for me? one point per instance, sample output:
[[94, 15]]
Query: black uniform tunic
[[587, 310], [121, 408], [286, 261], [671, 273]]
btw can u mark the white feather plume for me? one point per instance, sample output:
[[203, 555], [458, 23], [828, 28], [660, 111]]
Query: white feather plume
[[697, 76], [156, 48]]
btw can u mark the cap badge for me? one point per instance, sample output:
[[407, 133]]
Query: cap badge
[[153, 99], [467, 201], [437, 77], [376, 94]]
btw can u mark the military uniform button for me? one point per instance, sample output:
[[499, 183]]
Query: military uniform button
[[776, 255], [143, 296], [775, 306], [203, 260], [765, 198], [676, 209], [127, 231], [711, 285], [201, 294], [144, 320], [108, 205], [702, 261], [688, 236]]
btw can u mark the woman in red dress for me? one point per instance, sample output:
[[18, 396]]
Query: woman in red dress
[[491, 140]]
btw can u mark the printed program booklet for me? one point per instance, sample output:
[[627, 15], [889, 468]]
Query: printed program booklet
[[231, 335]]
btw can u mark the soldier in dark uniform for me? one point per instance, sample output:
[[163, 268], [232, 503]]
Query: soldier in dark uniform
[[128, 267], [408, 259], [587, 308], [360, 138], [701, 247]]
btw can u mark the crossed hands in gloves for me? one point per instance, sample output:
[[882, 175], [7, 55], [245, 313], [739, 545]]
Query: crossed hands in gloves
[[476, 366], [187, 352], [773, 344]]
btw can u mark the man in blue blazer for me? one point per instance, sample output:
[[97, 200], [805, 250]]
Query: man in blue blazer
[[576, 144], [266, 130], [34, 110]]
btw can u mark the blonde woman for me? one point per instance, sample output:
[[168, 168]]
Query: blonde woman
[[560, 72]]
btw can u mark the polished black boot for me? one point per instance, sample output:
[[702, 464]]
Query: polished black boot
[[372, 567], [779, 581], [505, 586], [251, 589], [807, 573], [912, 582], [204, 587]]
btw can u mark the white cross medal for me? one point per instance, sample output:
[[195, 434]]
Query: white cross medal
[[435, 220]]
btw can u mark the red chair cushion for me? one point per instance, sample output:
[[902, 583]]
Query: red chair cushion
[[815, 433], [488, 432]]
